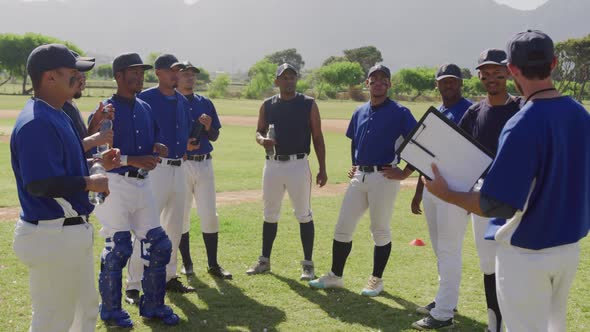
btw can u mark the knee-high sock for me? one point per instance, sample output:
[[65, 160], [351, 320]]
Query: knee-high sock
[[307, 233], [380, 258], [494, 315], [211, 240], [269, 232], [340, 251], [184, 249]]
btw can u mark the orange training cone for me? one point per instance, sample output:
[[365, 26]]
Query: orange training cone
[[417, 243]]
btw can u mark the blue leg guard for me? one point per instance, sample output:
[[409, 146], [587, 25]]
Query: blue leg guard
[[156, 248], [113, 259]]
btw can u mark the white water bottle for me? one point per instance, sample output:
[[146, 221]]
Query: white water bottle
[[106, 124], [270, 151], [94, 197]]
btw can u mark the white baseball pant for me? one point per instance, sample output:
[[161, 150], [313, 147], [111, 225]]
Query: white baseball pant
[[533, 286], [486, 249], [446, 225], [370, 191], [293, 176], [129, 207], [169, 188], [200, 181], [61, 274]]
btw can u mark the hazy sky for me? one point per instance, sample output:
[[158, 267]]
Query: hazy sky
[[519, 4]]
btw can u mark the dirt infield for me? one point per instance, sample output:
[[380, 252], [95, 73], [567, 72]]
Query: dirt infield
[[237, 197]]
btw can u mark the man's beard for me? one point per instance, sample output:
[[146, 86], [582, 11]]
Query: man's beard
[[78, 95]]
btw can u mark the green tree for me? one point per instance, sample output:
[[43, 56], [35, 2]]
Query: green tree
[[466, 73], [366, 56], [419, 79], [573, 70], [262, 76], [104, 71], [333, 59], [15, 49], [150, 75], [289, 56], [218, 88], [339, 75], [203, 77]]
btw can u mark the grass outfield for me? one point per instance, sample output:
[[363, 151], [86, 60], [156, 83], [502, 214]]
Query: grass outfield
[[279, 301]]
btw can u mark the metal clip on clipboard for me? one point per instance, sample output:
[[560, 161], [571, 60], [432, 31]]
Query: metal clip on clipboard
[[413, 141]]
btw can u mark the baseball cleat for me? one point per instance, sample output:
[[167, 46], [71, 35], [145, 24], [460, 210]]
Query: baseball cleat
[[132, 296], [425, 310], [374, 287], [161, 312], [307, 271], [430, 323], [219, 272], [115, 318], [175, 285], [261, 266], [328, 280], [187, 270]]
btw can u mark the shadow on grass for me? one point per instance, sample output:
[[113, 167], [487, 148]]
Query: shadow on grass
[[227, 307], [353, 308]]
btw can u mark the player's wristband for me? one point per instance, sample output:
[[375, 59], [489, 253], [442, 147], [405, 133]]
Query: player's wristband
[[123, 160]]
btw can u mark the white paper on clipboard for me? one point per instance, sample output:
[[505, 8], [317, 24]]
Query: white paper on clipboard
[[436, 139]]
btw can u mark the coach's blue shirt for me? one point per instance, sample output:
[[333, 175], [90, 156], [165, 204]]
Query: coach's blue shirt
[[172, 116], [44, 145], [134, 128], [543, 169], [455, 112], [199, 105], [377, 132]]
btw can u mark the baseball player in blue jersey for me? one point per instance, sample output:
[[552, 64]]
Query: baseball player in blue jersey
[[376, 130], [537, 189], [168, 179], [446, 222], [131, 206], [53, 237], [297, 122], [200, 177]]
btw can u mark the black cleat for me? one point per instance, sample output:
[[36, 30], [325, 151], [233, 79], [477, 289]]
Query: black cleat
[[219, 272], [132, 296], [176, 286]]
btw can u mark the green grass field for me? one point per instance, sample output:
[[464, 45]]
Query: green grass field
[[279, 301]]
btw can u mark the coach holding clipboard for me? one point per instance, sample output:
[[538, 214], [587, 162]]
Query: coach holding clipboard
[[540, 182]]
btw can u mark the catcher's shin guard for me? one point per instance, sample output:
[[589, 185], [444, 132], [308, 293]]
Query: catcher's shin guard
[[114, 257], [156, 249]]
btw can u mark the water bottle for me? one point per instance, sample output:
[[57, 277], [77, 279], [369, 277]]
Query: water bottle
[[144, 172], [94, 197], [270, 151], [106, 124]]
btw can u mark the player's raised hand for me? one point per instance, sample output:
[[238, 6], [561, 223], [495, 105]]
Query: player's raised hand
[[191, 145], [351, 172], [321, 178], [146, 162], [206, 121], [267, 142], [416, 204], [98, 183], [438, 186], [111, 159], [394, 173]]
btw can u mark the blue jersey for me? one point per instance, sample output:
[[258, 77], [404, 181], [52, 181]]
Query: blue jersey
[[455, 112], [134, 128], [45, 145], [378, 131], [172, 116], [543, 169], [201, 105]]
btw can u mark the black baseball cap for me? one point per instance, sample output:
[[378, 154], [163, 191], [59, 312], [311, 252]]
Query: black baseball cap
[[128, 60], [285, 66], [167, 61], [448, 70], [83, 58], [189, 66], [380, 68], [529, 48], [492, 56], [52, 56]]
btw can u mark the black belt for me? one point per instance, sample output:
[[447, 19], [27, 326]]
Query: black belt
[[172, 162], [132, 174], [371, 169], [286, 157], [67, 222], [199, 157]]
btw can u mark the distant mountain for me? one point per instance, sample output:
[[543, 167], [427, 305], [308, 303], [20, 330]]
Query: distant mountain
[[231, 35]]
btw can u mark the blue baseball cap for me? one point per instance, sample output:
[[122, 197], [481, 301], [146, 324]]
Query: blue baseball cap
[[529, 48], [492, 56], [380, 68], [128, 60], [167, 61], [52, 56]]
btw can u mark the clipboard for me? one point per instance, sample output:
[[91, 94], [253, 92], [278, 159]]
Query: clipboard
[[436, 139]]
